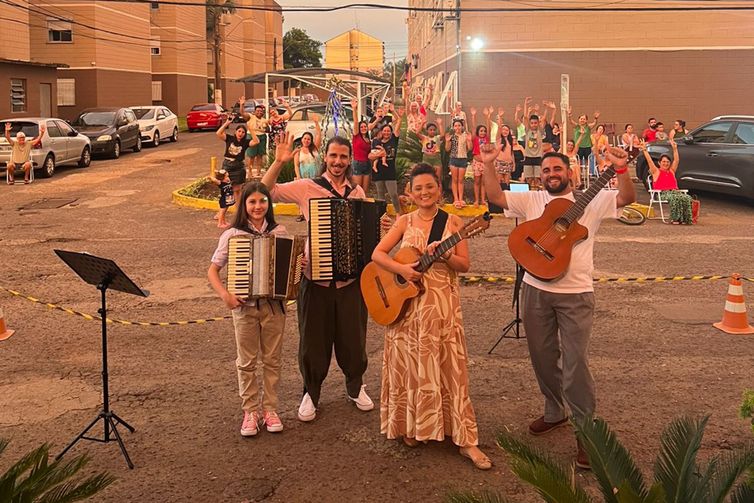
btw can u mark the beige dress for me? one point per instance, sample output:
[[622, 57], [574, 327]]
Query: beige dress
[[425, 383]]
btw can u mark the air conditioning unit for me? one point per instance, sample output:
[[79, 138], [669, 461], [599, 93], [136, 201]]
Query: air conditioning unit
[[438, 24]]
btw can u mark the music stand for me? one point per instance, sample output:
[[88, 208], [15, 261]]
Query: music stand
[[105, 275]]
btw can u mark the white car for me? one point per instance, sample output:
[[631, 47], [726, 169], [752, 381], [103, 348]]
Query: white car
[[156, 123]]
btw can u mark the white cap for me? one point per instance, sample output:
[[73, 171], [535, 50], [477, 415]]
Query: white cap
[[20, 134]]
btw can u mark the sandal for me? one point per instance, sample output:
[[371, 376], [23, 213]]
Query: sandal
[[410, 442], [482, 462]]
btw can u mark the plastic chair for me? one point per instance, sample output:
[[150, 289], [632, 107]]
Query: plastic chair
[[31, 175], [655, 196]]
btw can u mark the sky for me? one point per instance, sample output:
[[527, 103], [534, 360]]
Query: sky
[[388, 26]]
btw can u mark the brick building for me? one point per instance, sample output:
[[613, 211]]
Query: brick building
[[355, 50], [628, 64]]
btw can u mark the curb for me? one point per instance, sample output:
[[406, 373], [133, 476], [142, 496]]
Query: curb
[[291, 209]]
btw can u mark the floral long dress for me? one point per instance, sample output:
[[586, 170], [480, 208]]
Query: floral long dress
[[425, 383]]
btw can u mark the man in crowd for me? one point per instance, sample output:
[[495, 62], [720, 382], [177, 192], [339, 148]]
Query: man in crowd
[[257, 125], [21, 152], [329, 313], [558, 314], [650, 134]]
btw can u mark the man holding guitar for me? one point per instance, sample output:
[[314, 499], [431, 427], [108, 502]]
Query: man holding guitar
[[558, 295]]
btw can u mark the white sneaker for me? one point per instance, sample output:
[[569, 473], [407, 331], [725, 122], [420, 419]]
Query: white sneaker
[[307, 411], [363, 402]]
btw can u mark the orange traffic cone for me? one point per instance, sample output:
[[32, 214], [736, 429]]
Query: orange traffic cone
[[735, 320], [4, 331]]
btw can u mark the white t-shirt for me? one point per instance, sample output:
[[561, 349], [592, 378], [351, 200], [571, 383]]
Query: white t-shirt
[[578, 276]]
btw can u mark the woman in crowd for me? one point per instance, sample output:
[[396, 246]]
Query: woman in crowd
[[306, 158], [504, 163], [481, 137], [414, 119], [259, 323], [361, 144], [599, 139], [383, 154], [663, 176], [573, 161], [457, 144], [278, 122], [630, 142], [582, 133], [425, 384], [679, 129]]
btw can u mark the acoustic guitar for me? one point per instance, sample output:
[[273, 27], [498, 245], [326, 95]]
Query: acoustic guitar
[[387, 294], [543, 246]]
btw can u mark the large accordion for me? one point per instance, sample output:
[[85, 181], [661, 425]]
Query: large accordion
[[265, 266], [343, 233]]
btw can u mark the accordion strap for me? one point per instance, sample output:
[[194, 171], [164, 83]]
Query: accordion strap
[[438, 226], [325, 183]]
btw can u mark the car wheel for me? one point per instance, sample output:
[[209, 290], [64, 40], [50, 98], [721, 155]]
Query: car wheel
[[174, 138], [156, 139], [86, 158], [116, 150], [48, 167], [137, 147]]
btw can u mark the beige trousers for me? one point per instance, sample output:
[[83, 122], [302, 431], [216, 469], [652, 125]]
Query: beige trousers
[[259, 335]]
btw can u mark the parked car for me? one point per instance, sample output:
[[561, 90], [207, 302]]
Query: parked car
[[156, 124], [248, 107], [716, 157], [301, 122], [60, 145], [205, 116], [111, 130]]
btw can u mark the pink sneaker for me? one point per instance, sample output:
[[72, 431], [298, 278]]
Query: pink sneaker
[[273, 422], [250, 425]]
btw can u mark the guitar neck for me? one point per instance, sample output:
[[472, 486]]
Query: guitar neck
[[426, 260], [575, 212]]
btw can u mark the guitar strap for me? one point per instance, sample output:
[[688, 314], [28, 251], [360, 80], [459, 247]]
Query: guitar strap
[[325, 184], [438, 226]]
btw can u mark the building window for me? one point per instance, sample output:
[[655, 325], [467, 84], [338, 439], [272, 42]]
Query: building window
[[156, 90], [66, 92], [59, 31], [17, 95], [154, 5], [154, 46]]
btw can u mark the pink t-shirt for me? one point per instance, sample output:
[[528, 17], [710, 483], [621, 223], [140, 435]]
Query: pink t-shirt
[[665, 181], [299, 192], [578, 276]]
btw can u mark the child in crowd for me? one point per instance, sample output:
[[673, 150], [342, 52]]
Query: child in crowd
[[457, 144], [431, 146], [258, 323], [221, 178], [481, 137]]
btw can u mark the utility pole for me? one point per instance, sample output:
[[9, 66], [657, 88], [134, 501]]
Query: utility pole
[[394, 78], [216, 11]]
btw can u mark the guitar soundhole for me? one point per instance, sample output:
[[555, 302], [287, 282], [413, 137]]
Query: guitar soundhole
[[401, 280]]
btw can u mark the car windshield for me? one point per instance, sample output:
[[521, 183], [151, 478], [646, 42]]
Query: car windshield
[[209, 106], [95, 119], [30, 129], [144, 113]]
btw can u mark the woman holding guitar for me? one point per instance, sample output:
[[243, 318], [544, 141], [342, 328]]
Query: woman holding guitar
[[424, 377]]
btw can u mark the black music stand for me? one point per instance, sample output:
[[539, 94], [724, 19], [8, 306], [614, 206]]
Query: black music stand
[[105, 275], [515, 323]]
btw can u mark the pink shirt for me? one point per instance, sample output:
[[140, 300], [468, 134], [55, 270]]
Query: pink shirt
[[665, 181], [299, 192]]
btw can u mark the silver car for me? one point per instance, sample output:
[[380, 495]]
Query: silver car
[[61, 144]]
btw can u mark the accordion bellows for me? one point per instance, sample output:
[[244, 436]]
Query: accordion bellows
[[265, 266]]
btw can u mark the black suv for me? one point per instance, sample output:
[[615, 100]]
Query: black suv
[[110, 129], [715, 157]]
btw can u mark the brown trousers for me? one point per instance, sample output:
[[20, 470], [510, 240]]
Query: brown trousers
[[259, 335]]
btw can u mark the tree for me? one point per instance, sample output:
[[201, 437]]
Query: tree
[[400, 68], [300, 50]]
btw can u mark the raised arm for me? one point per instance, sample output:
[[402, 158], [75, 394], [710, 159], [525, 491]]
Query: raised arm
[[241, 111], [288, 111], [355, 113], [397, 119], [517, 115], [554, 110], [487, 120], [318, 130], [8, 126], [283, 154], [38, 139], [472, 111], [527, 107], [427, 96], [495, 194], [676, 159], [297, 162], [594, 122], [626, 190], [220, 133], [653, 170]]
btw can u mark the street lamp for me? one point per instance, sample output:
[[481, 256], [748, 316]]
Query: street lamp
[[476, 44]]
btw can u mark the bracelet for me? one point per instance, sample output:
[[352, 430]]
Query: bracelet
[[621, 171]]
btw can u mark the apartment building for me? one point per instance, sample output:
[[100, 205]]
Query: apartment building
[[178, 53], [105, 45], [251, 43], [628, 64], [355, 50], [30, 87]]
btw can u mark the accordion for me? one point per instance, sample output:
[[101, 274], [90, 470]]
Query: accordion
[[265, 266], [343, 233]]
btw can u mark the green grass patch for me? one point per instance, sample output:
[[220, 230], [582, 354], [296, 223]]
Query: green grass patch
[[182, 126]]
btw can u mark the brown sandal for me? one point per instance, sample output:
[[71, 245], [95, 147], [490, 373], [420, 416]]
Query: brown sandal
[[482, 463], [411, 442]]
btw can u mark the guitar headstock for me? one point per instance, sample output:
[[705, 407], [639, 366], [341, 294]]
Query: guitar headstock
[[476, 226]]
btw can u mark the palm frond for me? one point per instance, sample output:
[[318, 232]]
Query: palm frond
[[676, 467], [722, 475], [3, 444], [544, 474], [33, 458], [744, 493], [410, 147], [472, 497], [611, 462], [77, 490]]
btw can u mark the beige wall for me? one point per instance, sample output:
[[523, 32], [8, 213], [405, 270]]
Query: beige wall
[[106, 88], [34, 75], [354, 50], [14, 37]]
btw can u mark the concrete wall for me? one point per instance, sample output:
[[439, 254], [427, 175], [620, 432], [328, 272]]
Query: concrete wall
[[34, 76], [14, 37]]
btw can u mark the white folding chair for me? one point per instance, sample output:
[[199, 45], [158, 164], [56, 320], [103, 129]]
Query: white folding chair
[[7, 178], [655, 196]]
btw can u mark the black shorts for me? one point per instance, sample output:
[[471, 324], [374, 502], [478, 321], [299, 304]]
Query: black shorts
[[532, 161]]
